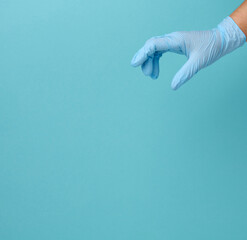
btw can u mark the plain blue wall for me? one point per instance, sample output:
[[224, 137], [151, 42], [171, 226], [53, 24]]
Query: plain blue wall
[[91, 149]]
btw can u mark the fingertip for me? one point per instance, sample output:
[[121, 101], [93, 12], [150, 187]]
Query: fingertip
[[154, 77], [139, 58], [133, 61], [175, 84], [133, 64], [174, 88], [146, 70]]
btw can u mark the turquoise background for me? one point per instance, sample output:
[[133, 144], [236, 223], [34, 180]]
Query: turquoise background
[[91, 149]]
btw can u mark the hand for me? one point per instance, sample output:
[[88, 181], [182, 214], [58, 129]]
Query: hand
[[201, 48]]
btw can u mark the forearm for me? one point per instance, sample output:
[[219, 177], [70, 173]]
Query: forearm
[[240, 17]]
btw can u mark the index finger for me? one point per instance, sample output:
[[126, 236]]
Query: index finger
[[144, 53], [159, 44]]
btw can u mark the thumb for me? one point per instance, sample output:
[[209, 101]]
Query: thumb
[[188, 70]]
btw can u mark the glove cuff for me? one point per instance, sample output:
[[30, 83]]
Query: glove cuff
[[233, 37]]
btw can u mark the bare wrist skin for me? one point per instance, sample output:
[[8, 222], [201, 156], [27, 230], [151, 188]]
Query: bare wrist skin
[[239, 16]]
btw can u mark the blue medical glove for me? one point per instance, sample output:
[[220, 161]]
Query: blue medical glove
[[201, 48]]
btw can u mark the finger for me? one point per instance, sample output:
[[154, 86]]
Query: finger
[[160, 44], [142, 55], [147, 67], [155, 72], [135, 62], [172, 42], [188, 70]]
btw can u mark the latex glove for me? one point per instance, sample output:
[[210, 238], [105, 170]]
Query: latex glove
[[201, 48]]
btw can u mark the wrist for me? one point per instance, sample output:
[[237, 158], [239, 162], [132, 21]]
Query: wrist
[[240, 23], [239, 16], [232, 36]]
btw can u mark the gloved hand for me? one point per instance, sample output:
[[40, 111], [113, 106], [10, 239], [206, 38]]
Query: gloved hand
[[201, 48]]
